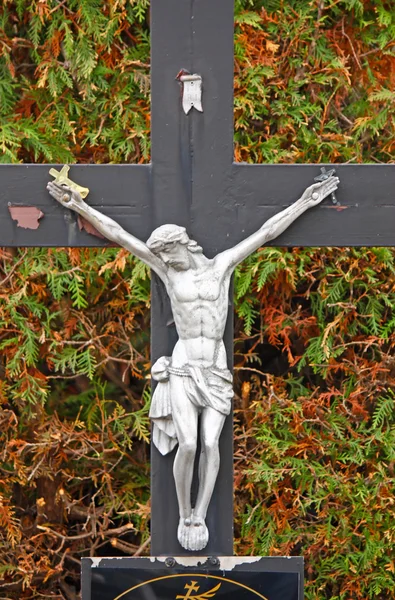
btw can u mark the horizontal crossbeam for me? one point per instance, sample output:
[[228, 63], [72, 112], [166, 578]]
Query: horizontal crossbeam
[[122, 192], [249, 195], [363, 216]]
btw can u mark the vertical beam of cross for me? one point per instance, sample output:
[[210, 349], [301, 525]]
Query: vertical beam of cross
[[191, 155]]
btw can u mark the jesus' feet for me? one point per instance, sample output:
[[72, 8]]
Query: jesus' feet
[[192, 533], [184, 527], [198, 535]]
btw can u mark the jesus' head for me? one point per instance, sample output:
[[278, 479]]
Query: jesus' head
[[173, 245]]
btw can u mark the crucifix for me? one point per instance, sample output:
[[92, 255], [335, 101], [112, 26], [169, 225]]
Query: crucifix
[[217, 206], [195, 383]]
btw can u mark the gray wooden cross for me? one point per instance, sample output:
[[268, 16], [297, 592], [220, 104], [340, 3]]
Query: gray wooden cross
[[193, 181]]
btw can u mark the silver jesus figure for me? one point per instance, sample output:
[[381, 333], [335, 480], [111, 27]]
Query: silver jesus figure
[[195, 380]]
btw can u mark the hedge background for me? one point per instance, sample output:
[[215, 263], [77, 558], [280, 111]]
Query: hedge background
[[315, 372]]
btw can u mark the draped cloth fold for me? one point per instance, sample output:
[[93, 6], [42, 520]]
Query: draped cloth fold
[[203, 387]]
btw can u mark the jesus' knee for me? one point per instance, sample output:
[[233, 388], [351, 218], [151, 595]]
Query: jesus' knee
[[210, 447], [187, 449]]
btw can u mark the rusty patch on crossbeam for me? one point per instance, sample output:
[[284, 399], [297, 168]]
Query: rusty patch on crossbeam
[[337, 207], [26, 217], [84, 225], [340, 208]]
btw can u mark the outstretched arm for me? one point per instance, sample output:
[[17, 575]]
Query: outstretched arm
[[312, 196], [106, 226]]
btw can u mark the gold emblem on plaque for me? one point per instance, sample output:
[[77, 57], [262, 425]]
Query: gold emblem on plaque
[[193, 587]]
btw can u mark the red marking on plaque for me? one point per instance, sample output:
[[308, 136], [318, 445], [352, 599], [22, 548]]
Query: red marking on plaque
[[26, 217], [83, 224]]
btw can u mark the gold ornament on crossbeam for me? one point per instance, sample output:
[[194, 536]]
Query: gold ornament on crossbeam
[[62, 178]]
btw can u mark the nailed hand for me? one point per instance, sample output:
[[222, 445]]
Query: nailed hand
[[64, 194], [318, 191]]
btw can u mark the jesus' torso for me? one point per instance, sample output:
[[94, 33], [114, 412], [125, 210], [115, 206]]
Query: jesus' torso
[[199, 300]]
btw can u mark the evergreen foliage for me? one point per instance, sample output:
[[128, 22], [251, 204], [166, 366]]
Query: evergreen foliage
[[316, 423], [315, 376]]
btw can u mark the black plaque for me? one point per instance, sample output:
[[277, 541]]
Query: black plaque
[[269, 578]]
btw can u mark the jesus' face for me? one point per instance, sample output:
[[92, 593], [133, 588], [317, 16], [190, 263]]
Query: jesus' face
[[176, 256]]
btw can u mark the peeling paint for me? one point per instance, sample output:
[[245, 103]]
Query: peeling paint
[[185, 561], [96, 561], [83, 224], [226, 563], [26, 217]]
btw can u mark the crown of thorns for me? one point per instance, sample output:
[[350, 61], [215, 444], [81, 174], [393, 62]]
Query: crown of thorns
[[165, 235]]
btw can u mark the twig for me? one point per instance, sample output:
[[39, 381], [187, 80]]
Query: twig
[[351, 44], [124, 546], [69, 557], [67, 538], [12, 584], [61, 4], [252, 512], [118, 381], [32, 474], [3, 281], [68, 591], [120, 530], [250, 369], [143, 547], [373, 51], [342, 116], [99, 130]]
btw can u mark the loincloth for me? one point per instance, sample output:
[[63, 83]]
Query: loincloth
[[203, 388]]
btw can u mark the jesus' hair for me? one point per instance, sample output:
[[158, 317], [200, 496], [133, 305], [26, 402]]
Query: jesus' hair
[[170, 234]]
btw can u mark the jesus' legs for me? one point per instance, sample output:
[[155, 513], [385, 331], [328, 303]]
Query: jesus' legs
[[185, 417], [211, 427]]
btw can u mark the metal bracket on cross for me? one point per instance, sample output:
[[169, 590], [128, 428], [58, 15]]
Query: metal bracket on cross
[[62, 178], [191, 91]]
